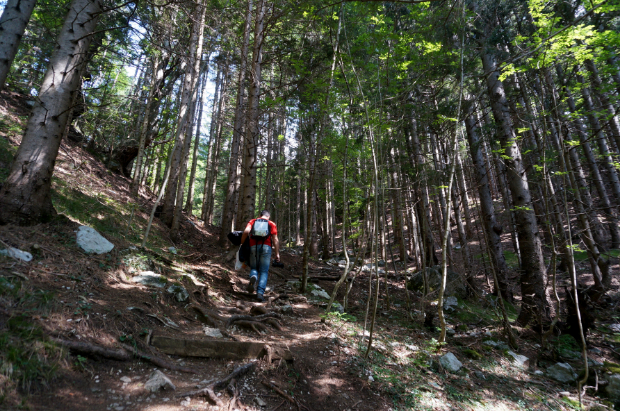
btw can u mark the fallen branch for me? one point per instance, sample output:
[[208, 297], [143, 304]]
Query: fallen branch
[[87, 348], [283, 394]]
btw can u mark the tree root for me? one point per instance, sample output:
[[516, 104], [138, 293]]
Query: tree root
[[160, 362], [261, 317], [229, 382], [253, 325]]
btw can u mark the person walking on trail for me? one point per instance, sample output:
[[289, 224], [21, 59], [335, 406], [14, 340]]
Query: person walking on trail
[[263, 235]]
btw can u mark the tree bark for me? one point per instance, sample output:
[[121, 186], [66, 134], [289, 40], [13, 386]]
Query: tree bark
[[13, 23], [535, 301], [25, 197]]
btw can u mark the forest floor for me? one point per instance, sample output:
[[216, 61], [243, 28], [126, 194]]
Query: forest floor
[[66, 294]]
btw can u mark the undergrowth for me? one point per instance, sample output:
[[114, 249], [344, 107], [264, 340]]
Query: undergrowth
[[28, 359]]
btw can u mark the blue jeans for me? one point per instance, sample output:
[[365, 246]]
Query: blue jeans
[[260, 270]]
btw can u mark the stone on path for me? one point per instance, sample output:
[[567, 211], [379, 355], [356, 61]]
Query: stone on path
[[450, 362], [518, 359], [180, 293], [562, 372], [615, 328], [157, 381], [151, 279], [17, 254], [89, 240], [213, 332]]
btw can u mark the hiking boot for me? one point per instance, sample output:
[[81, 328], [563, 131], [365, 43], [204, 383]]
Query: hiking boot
[[250, 288], [260, 297]]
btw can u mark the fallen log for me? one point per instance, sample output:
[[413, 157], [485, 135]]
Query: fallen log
[[127, 353], [215, 348]]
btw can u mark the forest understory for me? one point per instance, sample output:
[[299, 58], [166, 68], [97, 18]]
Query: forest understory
[[64, 297]]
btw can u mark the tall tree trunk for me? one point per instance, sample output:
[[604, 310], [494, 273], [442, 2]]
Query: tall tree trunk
[[234, 171], [253, 130], [219, 87], [189, 205], [194, 66], [536, 301], [25, 197], [13, 24]]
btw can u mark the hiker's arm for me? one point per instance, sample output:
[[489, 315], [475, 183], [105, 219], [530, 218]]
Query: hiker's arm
[[276, 245], [246, 233]]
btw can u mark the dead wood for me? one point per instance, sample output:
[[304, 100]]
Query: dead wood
[[238, 372], [232, 390], [160, 362], [283, 394], [92, 349], [215, 348], [205, 392]]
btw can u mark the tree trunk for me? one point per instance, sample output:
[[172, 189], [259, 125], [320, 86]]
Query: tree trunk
[[535, 300], [13, 23], [253, 130], [25, 197], [194, 66], [189, 205]]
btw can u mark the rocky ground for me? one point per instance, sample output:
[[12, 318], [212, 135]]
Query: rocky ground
[[81, 331]]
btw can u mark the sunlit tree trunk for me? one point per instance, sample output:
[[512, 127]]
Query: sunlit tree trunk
[[25, 197]]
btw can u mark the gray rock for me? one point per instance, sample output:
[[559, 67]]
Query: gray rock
[[615, 328], [538, 372], [172, 250], [180, 293], [593, 363], [126, 379], [450, 303], [336, 306], [260, 402], [518, 359], [89, 240], [480, 374], [595, 350], [450, 331], [17, 254], [159, 381], [213, 332], [151, 279], [613, 388], [381, 263], [455, 284], [342, 262], [450, 362], [490, 343], [562, 372], [319, 292]]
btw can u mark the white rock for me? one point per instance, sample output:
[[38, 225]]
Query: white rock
[[158, 380], [491, 343], [538, 372], [450, 303], [17, 254], [518, 359], [151, 279], [92, 242], [213, 332], [450, 362], [562, 372], [615, 328], [370, 379], [259, 402], [126, 379]]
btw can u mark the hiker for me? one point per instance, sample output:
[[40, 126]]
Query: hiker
[[263, 236]]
